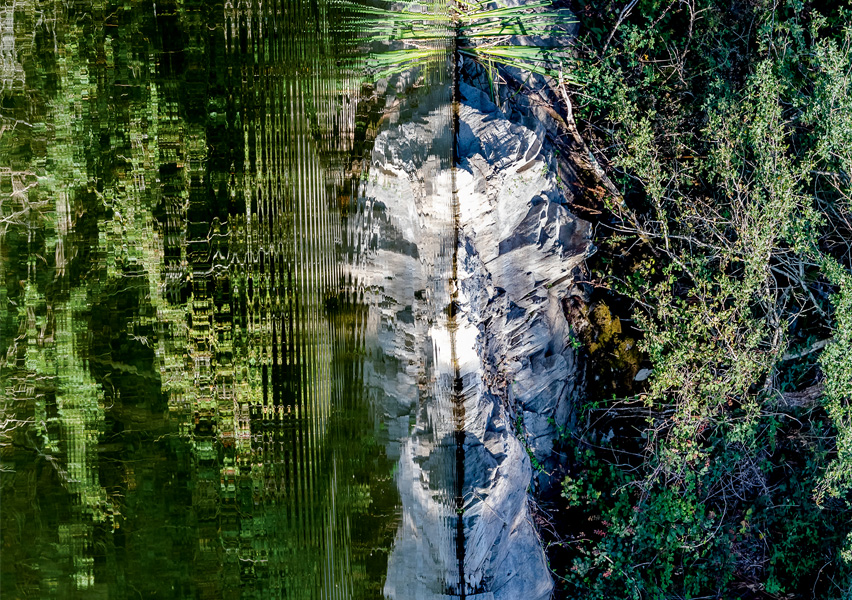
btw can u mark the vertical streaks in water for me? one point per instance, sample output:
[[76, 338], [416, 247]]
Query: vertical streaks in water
[[288, 265], [180, 257], [458, 385]]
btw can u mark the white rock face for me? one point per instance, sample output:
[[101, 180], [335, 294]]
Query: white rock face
[[507, 341], [518, 246]]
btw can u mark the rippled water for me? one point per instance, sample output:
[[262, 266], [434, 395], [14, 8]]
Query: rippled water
[[227, 370]]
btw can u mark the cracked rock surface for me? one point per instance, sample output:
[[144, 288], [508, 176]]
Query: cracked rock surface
[[506, 338]]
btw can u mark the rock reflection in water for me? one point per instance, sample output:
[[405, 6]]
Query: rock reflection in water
[[402, 237]]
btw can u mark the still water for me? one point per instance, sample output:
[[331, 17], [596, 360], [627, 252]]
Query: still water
[[226, 353]]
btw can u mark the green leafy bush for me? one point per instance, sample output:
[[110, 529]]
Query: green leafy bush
[[728, 131]]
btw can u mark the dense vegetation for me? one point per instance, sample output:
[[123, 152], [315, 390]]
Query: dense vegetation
[[727, 129]]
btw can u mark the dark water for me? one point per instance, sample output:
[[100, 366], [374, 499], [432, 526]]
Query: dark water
[[216, 375]]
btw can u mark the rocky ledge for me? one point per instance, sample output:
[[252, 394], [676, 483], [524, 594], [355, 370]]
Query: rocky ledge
[[499, 330], [520, 249]]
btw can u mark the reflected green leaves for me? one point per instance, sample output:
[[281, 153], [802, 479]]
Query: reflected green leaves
[[490, 33]]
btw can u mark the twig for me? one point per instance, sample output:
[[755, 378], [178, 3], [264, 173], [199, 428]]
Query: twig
[[625, 12]]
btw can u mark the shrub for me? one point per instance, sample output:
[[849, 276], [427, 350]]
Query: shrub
[[730, 145]]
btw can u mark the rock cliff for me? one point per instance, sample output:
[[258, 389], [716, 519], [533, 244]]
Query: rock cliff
[[483, 347], [518, 249]]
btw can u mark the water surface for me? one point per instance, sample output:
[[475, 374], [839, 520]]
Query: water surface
[[216, 379]]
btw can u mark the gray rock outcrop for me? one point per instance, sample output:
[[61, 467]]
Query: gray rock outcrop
[[518, 248], [505, 338]]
